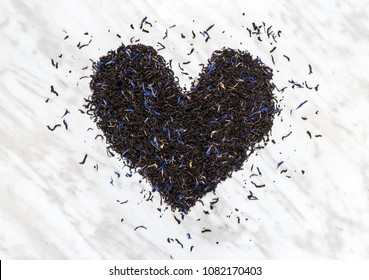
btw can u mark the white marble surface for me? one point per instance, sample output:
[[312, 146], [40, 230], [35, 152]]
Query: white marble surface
[[51, 207]]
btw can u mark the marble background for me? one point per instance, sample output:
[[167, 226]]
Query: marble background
[[52, 207]]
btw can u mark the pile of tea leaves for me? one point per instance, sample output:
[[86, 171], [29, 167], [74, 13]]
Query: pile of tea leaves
[[183, 142]]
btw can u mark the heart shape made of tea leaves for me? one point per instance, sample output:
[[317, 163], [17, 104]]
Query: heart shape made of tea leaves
[[183, 142]]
